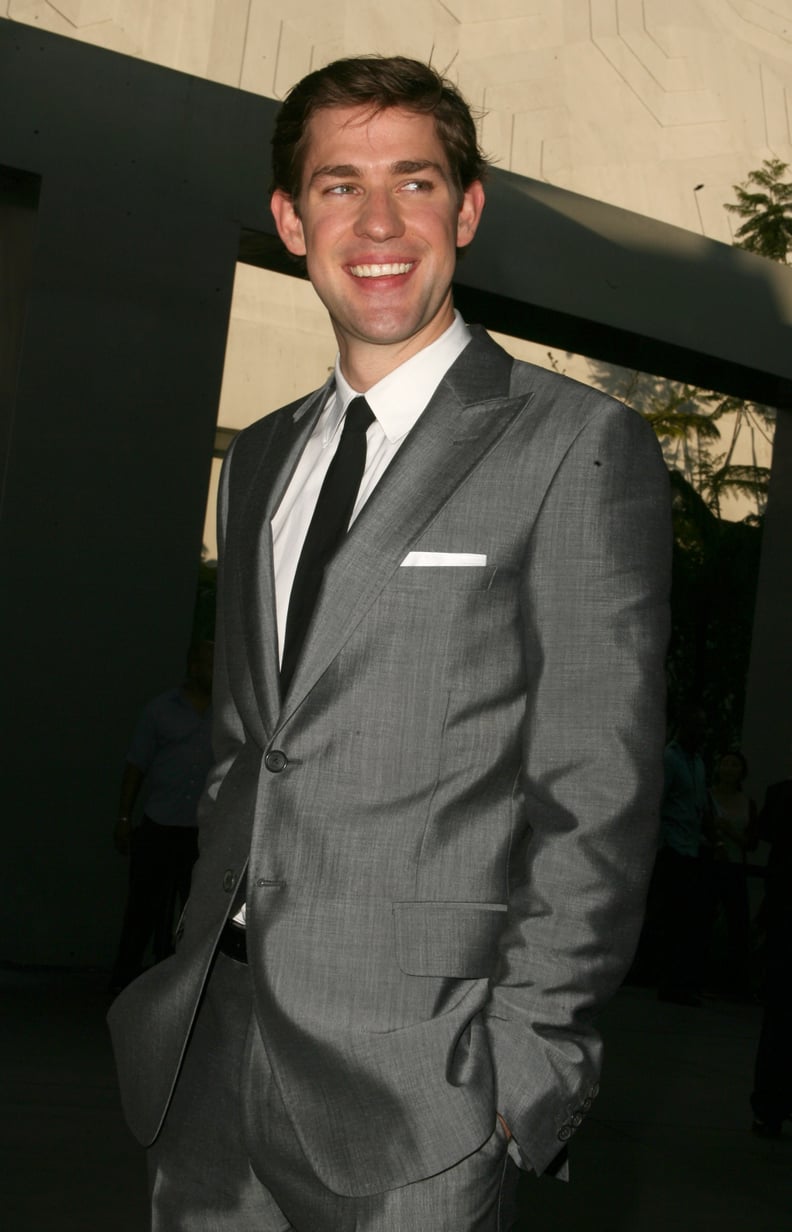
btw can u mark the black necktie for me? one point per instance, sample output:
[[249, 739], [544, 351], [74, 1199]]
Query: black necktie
[[328, 526]]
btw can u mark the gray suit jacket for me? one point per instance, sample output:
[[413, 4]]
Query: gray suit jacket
[[446, 826]]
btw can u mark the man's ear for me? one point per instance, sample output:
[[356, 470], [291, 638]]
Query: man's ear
[[287, 222], [470, 213]]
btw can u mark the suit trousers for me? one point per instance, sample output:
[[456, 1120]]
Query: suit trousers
[[228, 1159]]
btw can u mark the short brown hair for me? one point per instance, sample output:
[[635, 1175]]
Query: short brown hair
[[378, 82]]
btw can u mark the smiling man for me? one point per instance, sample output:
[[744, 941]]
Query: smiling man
[[439, 723], [379, 232]]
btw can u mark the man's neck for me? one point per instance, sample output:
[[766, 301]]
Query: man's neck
[[364, 363]]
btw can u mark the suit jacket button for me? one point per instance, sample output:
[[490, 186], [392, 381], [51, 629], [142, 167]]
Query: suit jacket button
[[229, 880], [564, 1134], [276, 761]]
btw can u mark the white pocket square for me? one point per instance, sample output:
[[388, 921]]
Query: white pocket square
[[474, 559]]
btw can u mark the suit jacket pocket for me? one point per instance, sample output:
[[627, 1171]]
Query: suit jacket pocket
[[441, 578], [451, 939]]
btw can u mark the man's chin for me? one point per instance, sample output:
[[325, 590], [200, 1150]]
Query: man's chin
[[391, 329]]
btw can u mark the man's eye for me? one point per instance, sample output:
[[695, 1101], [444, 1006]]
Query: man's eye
[[341, 190], [417, 186]]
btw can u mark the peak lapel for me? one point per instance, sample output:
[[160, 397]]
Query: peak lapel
[[468, 414]]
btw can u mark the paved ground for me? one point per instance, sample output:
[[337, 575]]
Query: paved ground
[[667, 1147]]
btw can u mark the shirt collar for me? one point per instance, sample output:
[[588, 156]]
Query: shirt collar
[[400, 397]]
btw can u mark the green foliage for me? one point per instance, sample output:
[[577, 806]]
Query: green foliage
[[715, 571], [764, 201], [716, 561], [699, 432]]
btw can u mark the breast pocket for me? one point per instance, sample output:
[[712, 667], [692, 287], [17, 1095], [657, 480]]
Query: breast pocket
[[442, 578]]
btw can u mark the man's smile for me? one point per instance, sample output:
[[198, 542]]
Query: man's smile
[[381, 271]]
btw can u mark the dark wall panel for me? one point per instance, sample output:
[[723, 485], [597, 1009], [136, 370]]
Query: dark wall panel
[[146, 177]]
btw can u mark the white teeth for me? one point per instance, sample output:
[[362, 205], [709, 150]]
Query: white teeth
[[381, 271]]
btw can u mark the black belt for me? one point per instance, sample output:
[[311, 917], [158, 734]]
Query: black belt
[[233, 941]]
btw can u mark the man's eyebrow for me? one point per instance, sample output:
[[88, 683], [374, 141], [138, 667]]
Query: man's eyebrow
[[413, 166], [405, 166], [338, 171]]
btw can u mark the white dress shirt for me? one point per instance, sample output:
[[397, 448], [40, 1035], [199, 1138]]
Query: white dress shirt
[[397, 402]]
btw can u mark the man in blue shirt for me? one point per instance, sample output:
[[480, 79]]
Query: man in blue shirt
[[679, 883], [169, 757]]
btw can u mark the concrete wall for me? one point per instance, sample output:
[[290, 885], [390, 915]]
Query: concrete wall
[[117, 283], [634, 102]]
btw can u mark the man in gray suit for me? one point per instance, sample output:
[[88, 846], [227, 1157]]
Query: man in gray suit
[[426, 841]]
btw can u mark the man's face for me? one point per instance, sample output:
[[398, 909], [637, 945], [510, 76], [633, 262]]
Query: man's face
[[379, 220]]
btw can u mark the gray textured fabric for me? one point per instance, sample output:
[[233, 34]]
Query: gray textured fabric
[[224, 1161], [200, 1176], [445, 869]]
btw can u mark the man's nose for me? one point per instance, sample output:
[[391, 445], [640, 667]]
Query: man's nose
[[379, 216]]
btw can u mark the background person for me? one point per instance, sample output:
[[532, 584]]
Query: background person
[[169, 758], [679, 891], [733, 824]]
